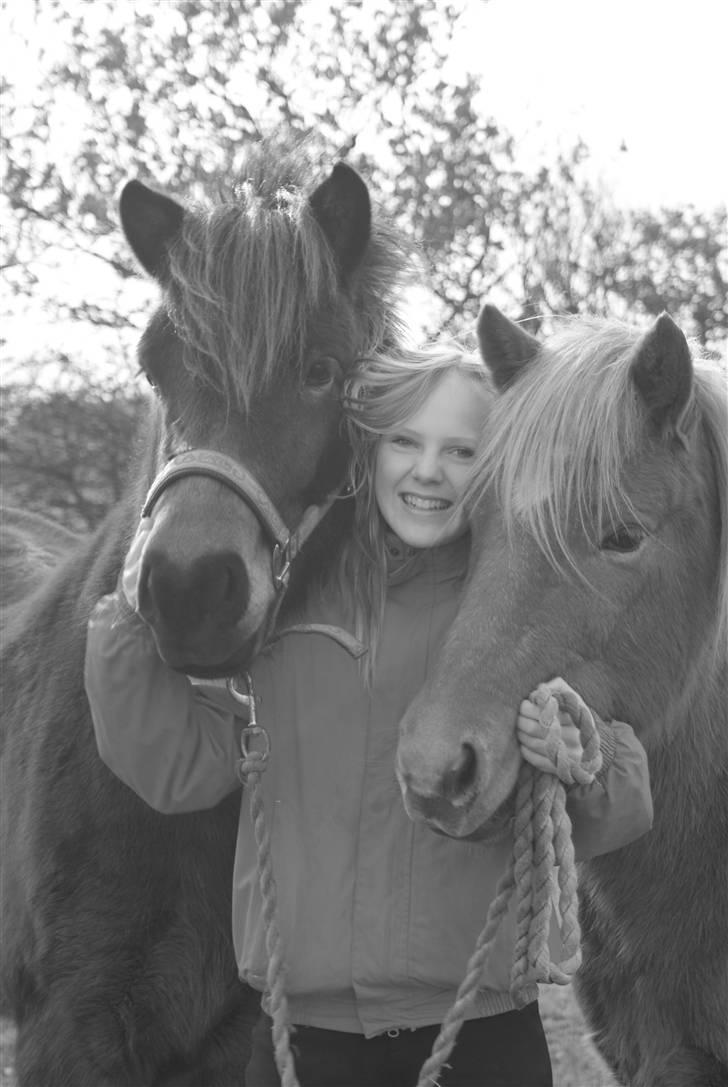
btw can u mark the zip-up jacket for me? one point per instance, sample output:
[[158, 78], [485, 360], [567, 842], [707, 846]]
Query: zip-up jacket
[[378, 915]]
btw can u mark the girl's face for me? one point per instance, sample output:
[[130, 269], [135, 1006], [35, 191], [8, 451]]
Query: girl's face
[[421, 469]]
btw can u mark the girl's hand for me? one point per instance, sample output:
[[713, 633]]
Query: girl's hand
[[129, 577], [532, 733]]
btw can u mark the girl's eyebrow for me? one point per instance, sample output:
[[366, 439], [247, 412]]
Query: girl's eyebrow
[[457, 439]]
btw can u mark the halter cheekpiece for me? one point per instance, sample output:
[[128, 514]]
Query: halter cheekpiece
[[208, 462]]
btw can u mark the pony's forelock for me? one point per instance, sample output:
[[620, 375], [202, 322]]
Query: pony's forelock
[[249, 275], [557, 439]]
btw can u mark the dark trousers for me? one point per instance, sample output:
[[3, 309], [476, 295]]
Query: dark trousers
[[507, 1050]]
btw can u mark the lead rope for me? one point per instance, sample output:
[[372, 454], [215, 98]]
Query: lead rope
[[250, 767], [542, 841]]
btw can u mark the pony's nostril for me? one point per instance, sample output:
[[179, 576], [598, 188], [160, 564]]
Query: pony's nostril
[[460, 776], [214, 586], [219, 585]]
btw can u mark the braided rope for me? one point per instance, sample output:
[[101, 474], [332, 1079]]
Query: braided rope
[[250, 768], [542, 841]]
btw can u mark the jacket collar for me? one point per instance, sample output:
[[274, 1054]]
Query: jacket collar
[[445, 562]]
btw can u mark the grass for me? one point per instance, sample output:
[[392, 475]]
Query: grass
[[575, 1061]]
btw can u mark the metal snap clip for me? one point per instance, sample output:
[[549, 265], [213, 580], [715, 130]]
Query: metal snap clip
[[245, 698]]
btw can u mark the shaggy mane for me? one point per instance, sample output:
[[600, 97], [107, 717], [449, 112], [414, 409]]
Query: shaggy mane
[[250, 272]]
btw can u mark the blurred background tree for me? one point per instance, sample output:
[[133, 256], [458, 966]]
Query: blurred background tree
[[65, 453], [174, 93]]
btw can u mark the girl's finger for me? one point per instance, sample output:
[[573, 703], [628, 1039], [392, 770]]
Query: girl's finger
[[527, 709]]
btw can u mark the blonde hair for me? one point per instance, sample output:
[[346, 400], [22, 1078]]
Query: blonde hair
[[379, 397]]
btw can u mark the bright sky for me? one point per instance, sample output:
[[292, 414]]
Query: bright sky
[[643, 82], [651, 75]]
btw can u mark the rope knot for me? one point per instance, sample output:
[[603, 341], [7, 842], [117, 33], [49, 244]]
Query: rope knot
[[549, 701], [252, 761]]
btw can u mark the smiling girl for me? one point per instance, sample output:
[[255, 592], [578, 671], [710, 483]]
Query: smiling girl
[[378, 915]]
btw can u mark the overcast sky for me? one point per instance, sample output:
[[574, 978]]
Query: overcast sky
[[644, 82]]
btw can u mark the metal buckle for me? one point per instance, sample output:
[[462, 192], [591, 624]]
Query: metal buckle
[[281, 563], [251, 733]]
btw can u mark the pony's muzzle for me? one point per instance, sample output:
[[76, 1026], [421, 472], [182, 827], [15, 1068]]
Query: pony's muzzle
[[438, 787], [182, 599]]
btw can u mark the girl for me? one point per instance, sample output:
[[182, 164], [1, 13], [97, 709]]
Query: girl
[[378, 915]]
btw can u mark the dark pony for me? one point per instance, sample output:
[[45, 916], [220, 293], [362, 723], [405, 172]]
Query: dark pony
[[117, 959], [600, 553], [30, 546]]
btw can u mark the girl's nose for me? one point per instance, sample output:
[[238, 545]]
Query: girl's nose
[[427, 467]]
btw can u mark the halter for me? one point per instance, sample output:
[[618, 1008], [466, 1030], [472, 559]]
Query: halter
[[207, 462]]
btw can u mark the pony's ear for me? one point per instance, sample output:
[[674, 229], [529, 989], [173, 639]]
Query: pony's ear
[[662, 371], [505, 346], [150, 222], [342, 208]]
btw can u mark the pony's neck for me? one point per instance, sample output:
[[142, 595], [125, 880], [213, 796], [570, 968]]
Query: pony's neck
[[690, 758]]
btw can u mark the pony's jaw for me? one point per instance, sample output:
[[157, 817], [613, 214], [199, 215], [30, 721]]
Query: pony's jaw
[[472, 822], [211, 657]]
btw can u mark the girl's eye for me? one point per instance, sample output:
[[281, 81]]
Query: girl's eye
[[462, 452], [623, 538], [400, 440]]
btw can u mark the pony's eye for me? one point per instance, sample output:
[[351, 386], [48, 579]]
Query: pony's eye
[[145, 374], [623, 538], [322, 373]]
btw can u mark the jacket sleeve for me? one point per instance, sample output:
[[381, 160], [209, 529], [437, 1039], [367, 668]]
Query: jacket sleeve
[[616, 808], [174, 743]]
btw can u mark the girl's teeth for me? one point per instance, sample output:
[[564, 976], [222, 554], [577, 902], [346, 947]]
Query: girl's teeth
[[425, 503]]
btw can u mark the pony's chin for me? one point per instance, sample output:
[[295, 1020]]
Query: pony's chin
[[497, 826], [466, 822], [209, 662]]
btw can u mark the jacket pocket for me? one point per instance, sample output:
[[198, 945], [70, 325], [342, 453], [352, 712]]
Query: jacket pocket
[[452, 885]]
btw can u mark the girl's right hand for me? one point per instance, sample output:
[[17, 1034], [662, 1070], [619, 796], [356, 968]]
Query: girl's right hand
[[532, 732], [129, 577]]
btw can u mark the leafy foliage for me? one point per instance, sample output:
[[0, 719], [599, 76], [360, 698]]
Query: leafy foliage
[[173, 95], [66, 453]]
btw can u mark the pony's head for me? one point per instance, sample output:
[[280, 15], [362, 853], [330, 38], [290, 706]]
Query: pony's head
[[600, 554], [268, 298]]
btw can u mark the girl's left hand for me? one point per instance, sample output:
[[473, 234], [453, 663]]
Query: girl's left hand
[[531, 735]]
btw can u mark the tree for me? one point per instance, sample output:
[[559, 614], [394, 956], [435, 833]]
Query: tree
[[65, 453], [172, 95]]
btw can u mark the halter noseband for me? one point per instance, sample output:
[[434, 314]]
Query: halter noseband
[[207, 462]]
